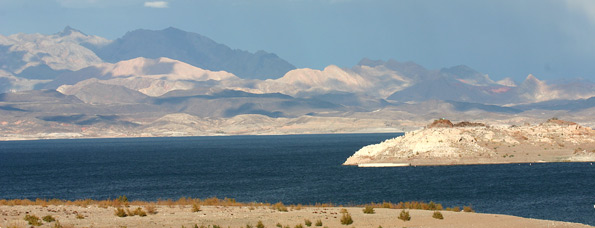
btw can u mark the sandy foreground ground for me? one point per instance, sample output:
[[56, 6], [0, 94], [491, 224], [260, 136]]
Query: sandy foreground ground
[[241, 216]]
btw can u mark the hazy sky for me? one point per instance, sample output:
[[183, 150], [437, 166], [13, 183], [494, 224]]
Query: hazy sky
[[552, 39]]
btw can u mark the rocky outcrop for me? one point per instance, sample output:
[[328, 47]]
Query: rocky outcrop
[[444, 143]]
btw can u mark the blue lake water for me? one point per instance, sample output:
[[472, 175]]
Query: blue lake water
[[293, 169]]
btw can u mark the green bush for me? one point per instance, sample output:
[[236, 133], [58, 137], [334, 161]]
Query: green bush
[[437, 215], [48, 218], [369, 210], [346, 219], [404, 215]]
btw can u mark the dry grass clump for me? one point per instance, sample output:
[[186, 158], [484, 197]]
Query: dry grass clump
[[369, 209], [195, 207], [307, 222], [468, 209], [318, 222], [120, 212], [404, 215], [437, 215], [33, 220], [346, 218], [279, 207], [259, 224], [48, 218]]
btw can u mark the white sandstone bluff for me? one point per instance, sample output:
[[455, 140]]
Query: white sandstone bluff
[[444, 143]]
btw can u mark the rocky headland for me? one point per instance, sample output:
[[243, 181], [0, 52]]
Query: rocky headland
[[445, 143]]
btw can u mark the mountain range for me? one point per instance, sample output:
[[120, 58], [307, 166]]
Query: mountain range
[[70, 81]]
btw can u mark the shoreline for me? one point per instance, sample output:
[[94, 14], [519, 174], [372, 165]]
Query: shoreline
[[94, 215], [16, 139]]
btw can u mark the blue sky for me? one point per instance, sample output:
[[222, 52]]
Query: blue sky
[[552, 39]]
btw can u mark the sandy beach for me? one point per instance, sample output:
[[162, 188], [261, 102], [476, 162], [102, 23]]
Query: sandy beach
[[244, 216]]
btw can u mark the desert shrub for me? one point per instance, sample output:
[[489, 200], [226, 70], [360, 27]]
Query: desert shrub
[[195, 207], [298, 226], [368, 210], [122, 199], [468, 209], [216, 226], [346, 219], [33, 220], [151, 209], [79, 216], [259, 224], [437, 215], [279, 225], [404, 215], [343, 210], [248, 226], [308, 222], [57, 225], [48, 218], [318, 222], [120, 212], [140, 212], [279, 206]]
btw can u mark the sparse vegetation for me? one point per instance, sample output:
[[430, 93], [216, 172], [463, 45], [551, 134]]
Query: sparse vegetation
[[437, 215], [307, 222], [279, 225], [79, 216], [48, 218], [369, 210], [33, 220], [298, 226], [346, 219], [468, 209], [151, 209], [120, 212], [259, 224], [279, 207], [404, 215], [140, 212], [318, 222], [195, 207], [57, 225], [248, 226]]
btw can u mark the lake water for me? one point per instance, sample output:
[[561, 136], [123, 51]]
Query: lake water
[[293, 169]]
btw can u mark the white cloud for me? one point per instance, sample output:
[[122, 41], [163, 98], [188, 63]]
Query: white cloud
[[586, 7], [157, 4]]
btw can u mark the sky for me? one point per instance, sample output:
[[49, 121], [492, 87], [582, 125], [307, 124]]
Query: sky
[[551, 39]]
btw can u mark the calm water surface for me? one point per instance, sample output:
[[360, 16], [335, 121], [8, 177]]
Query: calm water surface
[[293, 169]]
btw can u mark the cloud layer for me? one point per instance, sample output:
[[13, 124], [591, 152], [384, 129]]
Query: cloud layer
[[157, 4]]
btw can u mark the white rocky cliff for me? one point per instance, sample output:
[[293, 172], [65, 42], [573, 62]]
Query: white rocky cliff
[[444, 143]]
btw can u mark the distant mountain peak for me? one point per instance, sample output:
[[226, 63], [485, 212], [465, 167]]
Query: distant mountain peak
[[69, 30], [196, 50]]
